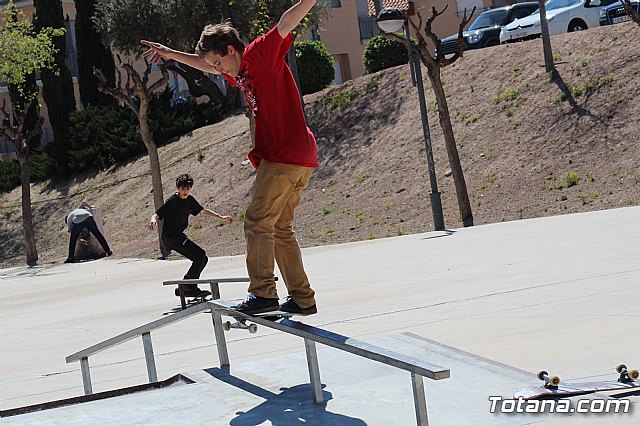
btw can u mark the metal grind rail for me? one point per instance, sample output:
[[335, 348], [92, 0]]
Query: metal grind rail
[[311, 335]]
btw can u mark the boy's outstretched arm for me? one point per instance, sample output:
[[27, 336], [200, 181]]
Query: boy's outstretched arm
[[292, 17], [209, 212], [157, 51]]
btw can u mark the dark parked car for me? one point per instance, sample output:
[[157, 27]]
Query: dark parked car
[[615, 13], [485, 30]]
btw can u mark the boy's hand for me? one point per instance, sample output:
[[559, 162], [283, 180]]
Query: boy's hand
[[153, 224], [156, 51]]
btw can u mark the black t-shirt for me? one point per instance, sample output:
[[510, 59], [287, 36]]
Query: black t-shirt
[[175, 214]]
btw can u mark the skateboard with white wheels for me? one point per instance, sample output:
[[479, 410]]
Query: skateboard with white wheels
[[553, 386], [198, 299], [241, 322]]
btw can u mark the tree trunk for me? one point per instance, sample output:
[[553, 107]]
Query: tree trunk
[[452, 150], [27, 215], [549, 64], [154, 162]]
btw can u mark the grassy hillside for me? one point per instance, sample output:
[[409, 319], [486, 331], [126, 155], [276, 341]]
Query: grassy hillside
[[527, 151]]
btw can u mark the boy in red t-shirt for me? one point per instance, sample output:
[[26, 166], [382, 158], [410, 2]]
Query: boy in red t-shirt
[[285, 151]]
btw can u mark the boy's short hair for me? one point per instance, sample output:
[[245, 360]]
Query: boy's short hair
[[184, 180], [216, 38]]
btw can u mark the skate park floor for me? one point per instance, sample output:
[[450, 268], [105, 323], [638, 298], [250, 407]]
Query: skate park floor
[[493, 303]]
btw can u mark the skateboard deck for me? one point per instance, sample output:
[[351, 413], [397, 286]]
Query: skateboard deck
[[197, 299], [554, 387], [241, 321]]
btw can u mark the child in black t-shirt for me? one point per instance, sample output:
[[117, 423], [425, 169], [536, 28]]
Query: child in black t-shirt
[[174, 214]]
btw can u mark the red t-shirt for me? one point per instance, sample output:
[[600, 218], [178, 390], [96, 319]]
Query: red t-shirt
[[282, 135]]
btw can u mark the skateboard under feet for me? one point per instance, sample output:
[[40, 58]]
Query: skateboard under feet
[[241, 322]]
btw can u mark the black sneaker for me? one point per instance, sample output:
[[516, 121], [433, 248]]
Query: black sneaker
[[253, 304], [294, 308], [69, 260], [192, 290]]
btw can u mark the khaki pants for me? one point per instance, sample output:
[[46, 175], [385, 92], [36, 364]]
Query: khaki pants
[[268, 230]]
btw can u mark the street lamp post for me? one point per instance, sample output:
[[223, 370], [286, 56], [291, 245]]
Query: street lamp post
[[391, 20]]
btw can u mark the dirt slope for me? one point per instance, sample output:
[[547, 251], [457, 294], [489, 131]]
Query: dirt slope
[[525, 151]]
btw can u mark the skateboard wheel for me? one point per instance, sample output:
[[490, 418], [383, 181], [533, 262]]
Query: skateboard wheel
[[620, 368], [542, 374], [226, 325], [634, 374], [554, 381], [253, 328]]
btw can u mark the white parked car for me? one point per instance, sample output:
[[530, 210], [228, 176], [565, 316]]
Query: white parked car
[[563, 16]]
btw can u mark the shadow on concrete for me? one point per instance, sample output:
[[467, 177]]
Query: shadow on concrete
[[445, 233], [291, 406]]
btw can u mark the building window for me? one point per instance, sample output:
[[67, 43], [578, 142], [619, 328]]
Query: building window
[[367, 28], [336, 3]]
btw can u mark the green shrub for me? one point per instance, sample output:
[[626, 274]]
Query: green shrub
[[382, 53], [315, 66], [101, 137], [9, 175]]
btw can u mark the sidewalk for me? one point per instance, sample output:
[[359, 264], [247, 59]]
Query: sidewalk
[[557, 293]]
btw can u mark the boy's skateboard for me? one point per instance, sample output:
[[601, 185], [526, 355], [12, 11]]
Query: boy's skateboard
[[554, 387], [198, 299], [241, 322]]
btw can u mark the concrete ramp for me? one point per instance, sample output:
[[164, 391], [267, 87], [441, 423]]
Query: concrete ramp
[[276, 391]]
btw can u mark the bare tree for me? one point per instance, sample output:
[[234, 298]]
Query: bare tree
[[549, 63], [631, 11], [14, 128], [135, 94], [434, 64]]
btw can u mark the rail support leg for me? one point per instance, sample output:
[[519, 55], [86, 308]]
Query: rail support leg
[[314, 370], [419, 400], [86, 376], [148, 356], [221, 342], [183, 301]]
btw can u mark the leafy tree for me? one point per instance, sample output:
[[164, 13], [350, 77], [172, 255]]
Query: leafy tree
[[315, 66], [92, 52], [382, 53], [23, 50], [123, 23], [57, 84]]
